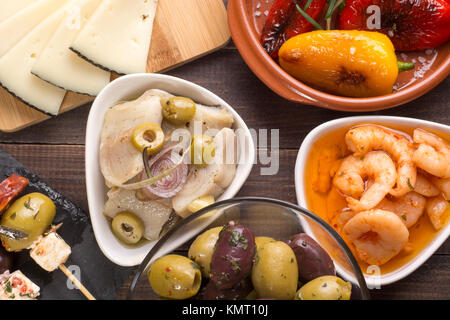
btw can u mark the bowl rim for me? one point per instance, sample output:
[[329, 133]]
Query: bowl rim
[[294, 90], [326, 127], [355, 266], [92, 142]]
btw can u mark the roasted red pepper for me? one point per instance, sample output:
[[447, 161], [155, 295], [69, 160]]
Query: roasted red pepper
[[410, 24], [10, 188], [284, 21]]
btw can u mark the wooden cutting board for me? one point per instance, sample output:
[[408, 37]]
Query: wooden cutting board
[[183, 30]]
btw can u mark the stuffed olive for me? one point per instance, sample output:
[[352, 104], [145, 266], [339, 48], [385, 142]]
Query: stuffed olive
[[325, 288], [33, 214], [202, 150], [178, 110], [201, 250], [275, 272], [233, 256], [175, 277], [313, 261], [127, 227]]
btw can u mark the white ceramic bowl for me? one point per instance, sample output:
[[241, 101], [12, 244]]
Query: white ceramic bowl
[[119, 90], [441, 236]]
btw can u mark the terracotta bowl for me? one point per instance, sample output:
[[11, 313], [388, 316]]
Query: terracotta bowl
[[246, 18]]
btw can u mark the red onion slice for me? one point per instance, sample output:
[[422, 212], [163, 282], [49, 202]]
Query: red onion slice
[[171, 184]]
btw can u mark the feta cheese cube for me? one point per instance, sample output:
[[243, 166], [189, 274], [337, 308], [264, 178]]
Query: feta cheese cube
[[50, 251], [18, 287]]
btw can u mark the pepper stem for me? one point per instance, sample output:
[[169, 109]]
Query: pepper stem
[[405, 66]]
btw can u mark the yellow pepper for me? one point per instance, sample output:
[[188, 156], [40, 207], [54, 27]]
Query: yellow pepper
[[349, 63]]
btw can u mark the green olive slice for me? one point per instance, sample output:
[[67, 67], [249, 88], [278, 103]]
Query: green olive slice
[[202, 150], [148, 135]]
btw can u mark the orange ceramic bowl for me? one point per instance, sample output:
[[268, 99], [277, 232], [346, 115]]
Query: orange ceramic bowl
[[246, 18]]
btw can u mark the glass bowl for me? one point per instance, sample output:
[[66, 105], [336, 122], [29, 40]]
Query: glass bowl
[[264, 217]]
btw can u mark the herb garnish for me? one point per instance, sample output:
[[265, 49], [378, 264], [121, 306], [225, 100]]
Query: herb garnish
[[332, 6], [8, 287], [410, 185], [27, 205], [235, 266], [237, 238], [308, 18], [307, 5]]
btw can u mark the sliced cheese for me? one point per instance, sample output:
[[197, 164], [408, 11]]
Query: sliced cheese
[[64, 68], [12, 30], [117, 37], [10, 7], [16, 64]]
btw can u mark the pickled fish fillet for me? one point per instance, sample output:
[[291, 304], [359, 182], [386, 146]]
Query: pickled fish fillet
[[119, 160], [212, 179], [50, 252], [209, 119], [154, 214]]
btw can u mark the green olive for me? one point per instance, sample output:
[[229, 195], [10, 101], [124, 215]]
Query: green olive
[[178, 110], [127, 227], [260, 241], [325, 288], [275, 271], [32, 213], [148, 135], [175, 277], [201, 250], [202, 150]]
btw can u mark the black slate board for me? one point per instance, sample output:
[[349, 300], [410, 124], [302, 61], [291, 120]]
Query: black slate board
[[99, 275]]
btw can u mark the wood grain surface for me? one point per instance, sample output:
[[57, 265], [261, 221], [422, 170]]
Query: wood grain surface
[[197, 27], [55, 149]]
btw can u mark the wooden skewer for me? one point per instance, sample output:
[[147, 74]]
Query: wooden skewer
[[76, 282]]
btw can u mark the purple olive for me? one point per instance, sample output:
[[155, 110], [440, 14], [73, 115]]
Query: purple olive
[[233, 256], [6, 260], [313, 261], [238, 292]]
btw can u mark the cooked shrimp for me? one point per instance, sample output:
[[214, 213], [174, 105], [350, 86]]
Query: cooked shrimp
[[349, 179], [377, 235], [343, 217], [443, 185], [433, 154], [438, 211], [409, 208], [425, 187], [367, 138]]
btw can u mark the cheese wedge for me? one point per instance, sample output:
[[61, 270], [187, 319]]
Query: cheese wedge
[[16, 64], [12, 30], [61, 66], [117, 37], [10, 7]]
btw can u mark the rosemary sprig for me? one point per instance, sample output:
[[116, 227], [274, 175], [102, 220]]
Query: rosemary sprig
[[308, 18], [307, 5], [146, 159], [330, 9]]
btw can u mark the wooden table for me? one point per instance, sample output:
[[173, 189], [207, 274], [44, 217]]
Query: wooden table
[[55, 149]]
